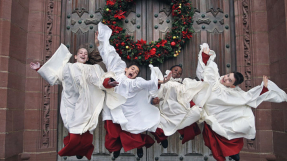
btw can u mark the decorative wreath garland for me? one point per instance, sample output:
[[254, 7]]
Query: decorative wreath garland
[[155, 51]]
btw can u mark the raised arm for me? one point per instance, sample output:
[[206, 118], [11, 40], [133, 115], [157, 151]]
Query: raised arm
[[269, 92], [110, 57], [52, 70], [205, 57]]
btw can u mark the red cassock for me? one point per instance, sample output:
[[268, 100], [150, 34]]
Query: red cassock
[[189, 132], [220, 146], [116, 138], [76, 144]]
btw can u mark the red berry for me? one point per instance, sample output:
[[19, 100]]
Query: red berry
[[172, 43], [128, 57], [123, 44], [136, 58]]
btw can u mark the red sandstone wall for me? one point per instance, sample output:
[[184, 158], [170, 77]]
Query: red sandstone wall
[[252, 51], [41, 105], [13, 40], [277, 14], [25, 37]]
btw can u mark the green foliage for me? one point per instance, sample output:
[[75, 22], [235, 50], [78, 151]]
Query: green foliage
[[154, 52]]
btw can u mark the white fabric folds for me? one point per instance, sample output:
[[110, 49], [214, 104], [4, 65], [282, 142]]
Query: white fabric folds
[[175, 100], [82, 96], [136, 115], [228, 110]]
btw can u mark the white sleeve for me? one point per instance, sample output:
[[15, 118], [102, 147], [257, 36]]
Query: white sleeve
[[150, 85], [110, 57], [274, 94], [52, 70], [200, 65], [211, 74], [155, 76], [252, 98]]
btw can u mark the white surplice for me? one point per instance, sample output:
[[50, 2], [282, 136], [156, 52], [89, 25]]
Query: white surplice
[[137, 114], [228, 110], [82, 96], [175, 100]]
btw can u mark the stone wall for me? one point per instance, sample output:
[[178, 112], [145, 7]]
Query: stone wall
[[13, 44], [277, 14], [29, 31]]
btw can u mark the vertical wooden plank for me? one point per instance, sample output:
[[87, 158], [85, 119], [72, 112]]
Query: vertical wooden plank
[[140, 20], [203, 10], [227, 37], [141, 8], [232, 36]]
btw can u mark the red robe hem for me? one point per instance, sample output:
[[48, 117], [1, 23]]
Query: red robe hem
[[116, 138], [220, 146], [76, 144]]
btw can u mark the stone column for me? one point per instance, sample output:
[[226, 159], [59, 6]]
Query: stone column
[[253, 62], [41, 99], [13, 43], [277, 14]]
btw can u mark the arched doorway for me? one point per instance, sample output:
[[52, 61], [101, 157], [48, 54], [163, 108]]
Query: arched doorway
[[213, 23]]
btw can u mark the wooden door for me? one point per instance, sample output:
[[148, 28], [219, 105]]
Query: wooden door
[[213, 23]]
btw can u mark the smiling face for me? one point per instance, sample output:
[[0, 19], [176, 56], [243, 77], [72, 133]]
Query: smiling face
[[82, 56], [132, 72], [176, 72], [228, 80]]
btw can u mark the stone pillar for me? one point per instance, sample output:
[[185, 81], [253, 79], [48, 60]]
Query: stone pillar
[[29, 31], [13, 43], [253, 62], [41, 107], [277, 14]]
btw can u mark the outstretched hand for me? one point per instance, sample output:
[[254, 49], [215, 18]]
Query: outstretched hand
[[168, 77], [96, 39], [35, 65], [113, 83], [265, 81]]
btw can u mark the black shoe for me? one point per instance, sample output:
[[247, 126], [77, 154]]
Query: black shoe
[[235, 157], [116, 153], [140, 152], [79, 157], [164, 143]]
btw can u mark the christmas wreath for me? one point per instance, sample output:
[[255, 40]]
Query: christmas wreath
[[155, 51]]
